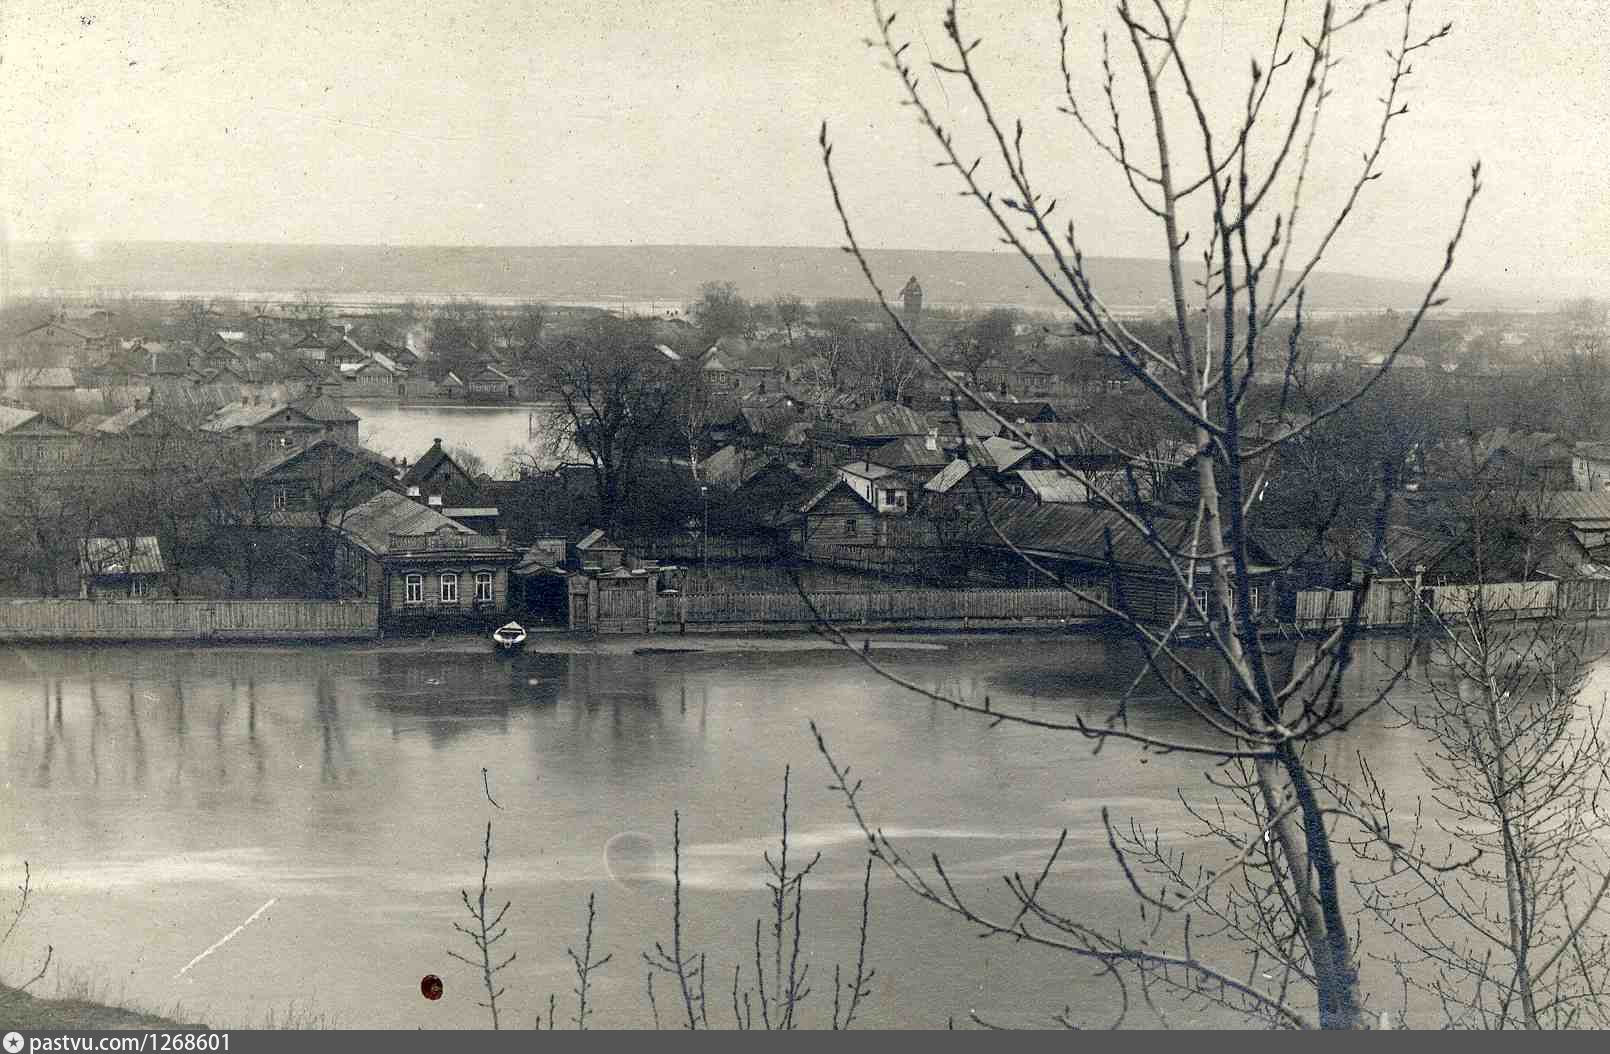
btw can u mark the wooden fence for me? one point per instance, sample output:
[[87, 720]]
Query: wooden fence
[[130, 620], [905, 607], [906, 562], [1395, 604], [674, 549]]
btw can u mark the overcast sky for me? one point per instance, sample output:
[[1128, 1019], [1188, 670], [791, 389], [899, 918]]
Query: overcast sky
[[686, 121]]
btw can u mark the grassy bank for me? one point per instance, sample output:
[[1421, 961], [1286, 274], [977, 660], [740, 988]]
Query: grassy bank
[[21, 1011]]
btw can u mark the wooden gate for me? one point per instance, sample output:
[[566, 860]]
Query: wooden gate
[[626, 606]]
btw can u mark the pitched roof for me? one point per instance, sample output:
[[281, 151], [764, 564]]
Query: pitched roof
[[41, 377], [769, 420], [974, 424], [322, 407], [596, 539], [428, 463], [1401, 547], [1001, 453], [911, 452], [868, 470], [885, 419], [733, 465], [949, 476], [1054, 485], [14, 417], [371, 524], [1576, 506], [1059, 437], [1081, 532], [111, 556], [828, 488], [364, 460], [124, 420], [243, 414], [1529, 446]]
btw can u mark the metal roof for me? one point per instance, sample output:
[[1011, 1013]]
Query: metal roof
[[1053, 485], [110, 556], [242, 415], [1081, 532], [1576, 506], [949, 476], [911, 451], [975, 424], [322, 407], [13, 417], [867, 470], [371, 524], [1003, 453], [885, 419]]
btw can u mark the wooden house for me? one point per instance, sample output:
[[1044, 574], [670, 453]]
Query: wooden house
[[837, 515], [375, 377], [32, 442], [1083, 543], [489, 383], [595, 552], [120, 568], [426, 571], [309, 486], [53, 343], [440, 482], [888, 490]]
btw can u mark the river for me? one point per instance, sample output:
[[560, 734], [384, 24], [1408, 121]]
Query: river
[[335, 797], [492, 433]]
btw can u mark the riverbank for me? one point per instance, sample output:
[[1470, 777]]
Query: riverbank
[[23, 1012]]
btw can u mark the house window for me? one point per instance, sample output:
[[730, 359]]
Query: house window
[[137, 587], [483, 587], [450, 588], [414, 589], [849, 525], [1200, 595], [281, 498]]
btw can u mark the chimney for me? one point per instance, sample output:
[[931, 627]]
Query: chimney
[[413, 492]]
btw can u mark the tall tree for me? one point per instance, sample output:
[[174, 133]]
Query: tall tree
[[615, 400], [1281, 885], [721, 312]]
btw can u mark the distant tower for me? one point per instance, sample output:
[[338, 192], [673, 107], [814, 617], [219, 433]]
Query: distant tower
[[912, 295]]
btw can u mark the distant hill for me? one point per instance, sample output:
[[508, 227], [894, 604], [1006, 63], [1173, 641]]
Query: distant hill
[[606, 274]]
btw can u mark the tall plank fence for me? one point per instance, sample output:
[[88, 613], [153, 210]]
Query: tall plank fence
[[905, 607], [1394, 604], [50, 619]]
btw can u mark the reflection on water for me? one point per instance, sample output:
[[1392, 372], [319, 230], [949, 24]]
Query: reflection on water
[[163, 794]]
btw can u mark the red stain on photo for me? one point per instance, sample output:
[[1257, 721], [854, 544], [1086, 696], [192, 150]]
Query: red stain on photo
[[430, 986]]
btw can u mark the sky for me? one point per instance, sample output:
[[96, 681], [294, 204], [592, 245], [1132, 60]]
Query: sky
[[691, 121]]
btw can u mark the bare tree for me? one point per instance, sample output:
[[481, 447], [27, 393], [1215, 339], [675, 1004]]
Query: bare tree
[[790, 312], [721, 312], [1496, 906], [1279, 889], [615, 402]]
